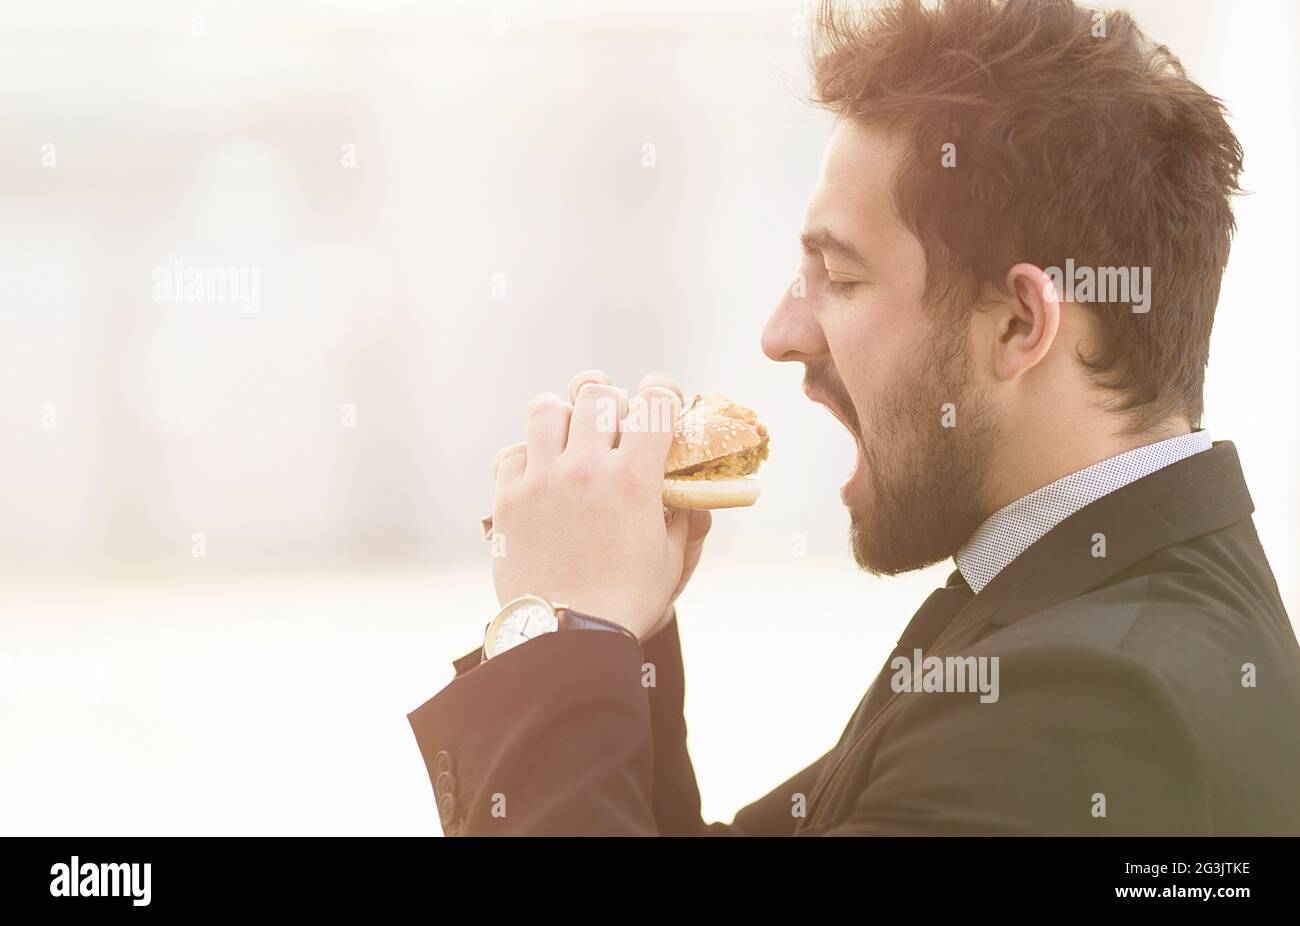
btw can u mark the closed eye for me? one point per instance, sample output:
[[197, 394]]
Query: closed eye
[[838, 288]]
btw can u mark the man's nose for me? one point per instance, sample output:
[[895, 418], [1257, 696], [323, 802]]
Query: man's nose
[[792, 333]]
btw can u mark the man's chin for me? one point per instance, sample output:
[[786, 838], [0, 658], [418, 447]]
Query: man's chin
[[890, 546], [871, 555]]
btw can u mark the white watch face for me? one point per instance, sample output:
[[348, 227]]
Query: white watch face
[[528, 619]]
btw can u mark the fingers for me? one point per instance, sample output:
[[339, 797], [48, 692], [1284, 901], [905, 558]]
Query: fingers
[[700, 522], [595, 420], [598, 412], [586, 376], [548, 429], [679, 529], [650, 379], [507, 470], [661, 379], [648, 430], [509, 462]]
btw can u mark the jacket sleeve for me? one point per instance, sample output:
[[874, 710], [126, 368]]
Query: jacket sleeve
[[676, 795], [577, 733], [1079, 741]]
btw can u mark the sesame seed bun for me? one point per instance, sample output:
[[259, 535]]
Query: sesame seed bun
[[709, 428], [717, 446]]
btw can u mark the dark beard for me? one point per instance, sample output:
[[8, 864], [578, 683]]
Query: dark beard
[[928, 483]]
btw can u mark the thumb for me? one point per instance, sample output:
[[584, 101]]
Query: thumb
[[699, 524], [679, 529]]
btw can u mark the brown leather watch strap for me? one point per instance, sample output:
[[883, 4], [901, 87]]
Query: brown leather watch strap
[[576, 620]]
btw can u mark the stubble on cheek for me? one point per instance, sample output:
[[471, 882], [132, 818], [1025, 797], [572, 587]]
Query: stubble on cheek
[[926, 459]]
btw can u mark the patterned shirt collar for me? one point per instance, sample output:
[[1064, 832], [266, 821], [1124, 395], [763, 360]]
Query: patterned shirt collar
[[1010, 531]]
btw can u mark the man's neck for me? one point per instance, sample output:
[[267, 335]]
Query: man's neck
[[1051, 453]]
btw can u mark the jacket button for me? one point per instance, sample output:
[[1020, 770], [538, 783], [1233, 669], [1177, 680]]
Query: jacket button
[[443, 762], [447, 808]]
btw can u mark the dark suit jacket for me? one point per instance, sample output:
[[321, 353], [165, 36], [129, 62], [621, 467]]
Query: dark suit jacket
[[1152, 690]]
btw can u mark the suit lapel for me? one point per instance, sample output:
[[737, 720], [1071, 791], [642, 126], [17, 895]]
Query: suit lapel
[[1200, 494]]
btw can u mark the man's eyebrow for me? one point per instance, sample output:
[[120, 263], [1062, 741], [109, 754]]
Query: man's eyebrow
[[823, 241]]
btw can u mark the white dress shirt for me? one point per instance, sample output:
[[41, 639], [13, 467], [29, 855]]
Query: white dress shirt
[[1010, 531]]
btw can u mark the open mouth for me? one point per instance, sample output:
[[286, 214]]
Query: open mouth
[[846, 490]]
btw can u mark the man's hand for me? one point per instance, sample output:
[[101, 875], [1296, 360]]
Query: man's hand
[[578, 508], [698, 524]]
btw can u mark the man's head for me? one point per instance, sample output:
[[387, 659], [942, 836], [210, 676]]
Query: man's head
[[1011, 260]]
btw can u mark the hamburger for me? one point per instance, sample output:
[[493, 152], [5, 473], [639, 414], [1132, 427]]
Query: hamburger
[[717, 448]]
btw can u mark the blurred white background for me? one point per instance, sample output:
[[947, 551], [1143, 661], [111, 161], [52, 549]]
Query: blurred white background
[[450, 207]]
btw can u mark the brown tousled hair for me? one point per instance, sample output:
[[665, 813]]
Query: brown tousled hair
[[1069, 143]]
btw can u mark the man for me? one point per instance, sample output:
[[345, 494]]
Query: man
[[1036, 423]]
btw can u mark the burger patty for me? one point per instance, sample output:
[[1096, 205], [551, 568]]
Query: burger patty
[[732, 465]]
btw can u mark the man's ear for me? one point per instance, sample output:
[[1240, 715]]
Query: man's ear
[[1027, 322]]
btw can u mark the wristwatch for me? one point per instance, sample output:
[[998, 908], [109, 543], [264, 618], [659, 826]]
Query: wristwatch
[[530, 616]]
